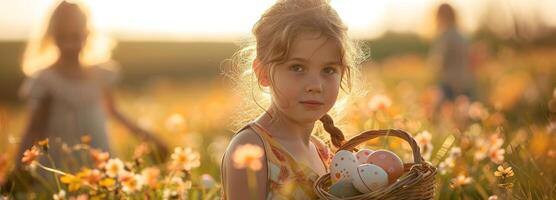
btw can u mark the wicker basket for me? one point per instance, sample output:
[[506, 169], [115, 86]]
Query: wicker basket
[[417, 182]]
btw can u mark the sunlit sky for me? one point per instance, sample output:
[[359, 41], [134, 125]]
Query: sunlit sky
[[225, 20]]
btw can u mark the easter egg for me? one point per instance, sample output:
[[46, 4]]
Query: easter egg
[[369, 177], [341, 166], [388, 161], [343, 189], [363, 155]]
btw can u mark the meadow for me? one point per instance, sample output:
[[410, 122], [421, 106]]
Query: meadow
[[500, 144]]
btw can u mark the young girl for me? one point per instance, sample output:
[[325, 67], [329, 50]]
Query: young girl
[[68, 96], [304, 58]]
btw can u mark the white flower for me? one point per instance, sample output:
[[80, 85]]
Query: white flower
[[461, 180], [60, 195], [248, 156], [423, 139], [186, 159], [114, 167], [379, 102], [493, 197], [131, 182]]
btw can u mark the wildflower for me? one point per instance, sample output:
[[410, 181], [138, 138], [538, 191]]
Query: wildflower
[[150, 175], [460, 181], [92, 177], [477, 111], [30, 155], [114, 167], [107, 182], [497, 155], [131, 182], [73, 182], [44, 144], [504, 172], [423, 139], [379, 102], [185, 159], [207, 181], [141, 150], [60, 195], [99, 157], [249, 156], [169, 194]]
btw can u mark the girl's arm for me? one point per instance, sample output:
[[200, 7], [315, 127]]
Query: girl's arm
[[141, 133], [235, 181], [37, 114]]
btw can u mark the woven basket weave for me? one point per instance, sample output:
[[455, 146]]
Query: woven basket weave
[[417, 182]]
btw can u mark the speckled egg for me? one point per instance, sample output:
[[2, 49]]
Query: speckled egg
[[369, 177], [341, 166], [344, 189], [362, 156], [388, 161]]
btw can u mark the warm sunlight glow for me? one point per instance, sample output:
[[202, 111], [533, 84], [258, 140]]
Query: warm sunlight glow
[[226, 20]]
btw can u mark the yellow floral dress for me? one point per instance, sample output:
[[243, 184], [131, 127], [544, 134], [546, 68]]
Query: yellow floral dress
[[288, 179]]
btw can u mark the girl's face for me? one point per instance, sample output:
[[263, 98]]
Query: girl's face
[[306, 85], [70, 32]]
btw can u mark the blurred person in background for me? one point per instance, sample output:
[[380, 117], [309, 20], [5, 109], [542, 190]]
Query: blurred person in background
[[69, 88], [450, 57]]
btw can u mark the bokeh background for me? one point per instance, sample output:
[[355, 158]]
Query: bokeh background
[[172, 53]]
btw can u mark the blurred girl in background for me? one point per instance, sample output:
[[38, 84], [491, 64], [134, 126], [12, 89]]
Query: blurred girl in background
[[69, 87]]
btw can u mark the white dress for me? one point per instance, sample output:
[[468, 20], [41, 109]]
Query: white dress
[[76, 109]]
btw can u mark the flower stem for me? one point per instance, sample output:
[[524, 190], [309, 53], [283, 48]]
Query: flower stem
[[252, 183], [55, 175]]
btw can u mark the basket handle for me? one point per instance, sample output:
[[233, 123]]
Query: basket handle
[[368, 135]]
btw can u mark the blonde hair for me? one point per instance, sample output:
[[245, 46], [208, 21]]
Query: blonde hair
[[41, 51], [273, 35]]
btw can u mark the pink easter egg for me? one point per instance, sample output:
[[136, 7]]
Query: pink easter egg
[[363, 155], [388, 161]]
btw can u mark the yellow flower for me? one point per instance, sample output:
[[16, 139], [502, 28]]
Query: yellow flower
[[73, 182], [249, 156], [44, 143], [186, 159], [114, 167], [92, 177], [460, 181], [504, 172], [379, 102], [107, 182], [30, 155]]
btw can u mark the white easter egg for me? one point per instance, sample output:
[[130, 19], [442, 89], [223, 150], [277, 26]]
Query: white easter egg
[[363, 155], [369, 177], [342, 165]]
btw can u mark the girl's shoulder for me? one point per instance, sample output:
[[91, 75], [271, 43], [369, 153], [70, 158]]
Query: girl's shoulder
[[107, 73], [324, 150], [245, 136]]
